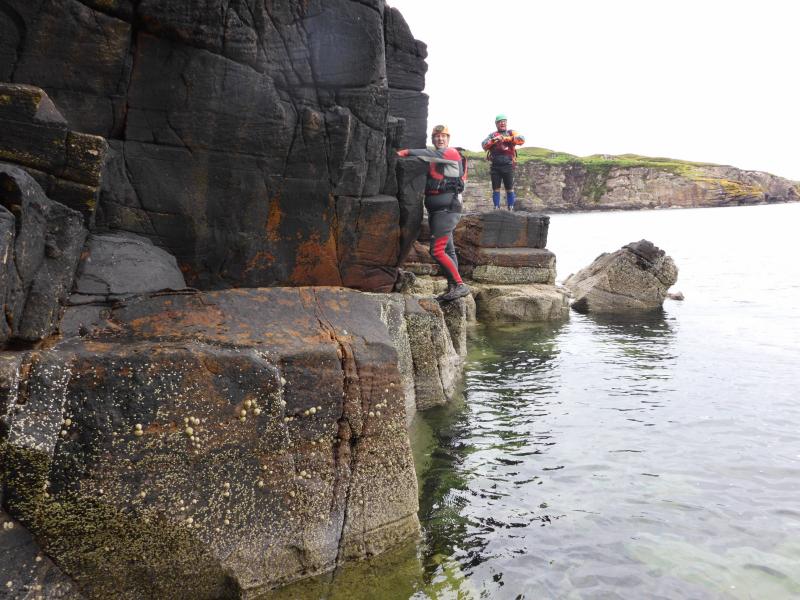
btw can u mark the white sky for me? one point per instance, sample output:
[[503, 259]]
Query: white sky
[[702, 80]]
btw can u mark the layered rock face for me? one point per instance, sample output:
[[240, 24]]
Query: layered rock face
[[577, 187], [36, 137], [251, 140], [511, 272], [634, 278]]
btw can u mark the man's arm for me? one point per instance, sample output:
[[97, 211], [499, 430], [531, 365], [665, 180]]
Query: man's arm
[[515, 138], [452, 166], [493, 138]]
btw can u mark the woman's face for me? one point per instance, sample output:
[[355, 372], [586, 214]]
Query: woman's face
[[440, 140]]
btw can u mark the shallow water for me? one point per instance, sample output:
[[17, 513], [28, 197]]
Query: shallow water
[[647, 457]]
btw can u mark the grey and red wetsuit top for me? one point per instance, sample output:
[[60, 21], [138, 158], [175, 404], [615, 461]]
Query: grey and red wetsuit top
[[447, 175]]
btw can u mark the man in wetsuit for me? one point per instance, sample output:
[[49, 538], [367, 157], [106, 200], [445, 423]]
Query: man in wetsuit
[[501, 149], [445, 182]]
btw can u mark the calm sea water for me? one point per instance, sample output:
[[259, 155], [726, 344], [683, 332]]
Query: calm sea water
[[647, 457]]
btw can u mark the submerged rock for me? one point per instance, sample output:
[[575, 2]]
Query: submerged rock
[[635, 277]]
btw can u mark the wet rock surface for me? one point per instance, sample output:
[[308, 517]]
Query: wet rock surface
[[25, 572], [118, 266], [437, 364], [243, 137], [37, 138], [523, 303], [634, 278], [211, 445], [41, 242]]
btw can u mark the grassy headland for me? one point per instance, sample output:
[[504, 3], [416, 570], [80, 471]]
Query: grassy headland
[[599, 164]]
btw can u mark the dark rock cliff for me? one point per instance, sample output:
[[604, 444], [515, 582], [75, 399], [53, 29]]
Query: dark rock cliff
[[159, 441], [251, 140]]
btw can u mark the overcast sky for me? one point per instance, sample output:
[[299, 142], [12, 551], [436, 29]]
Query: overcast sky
[[702, 80]]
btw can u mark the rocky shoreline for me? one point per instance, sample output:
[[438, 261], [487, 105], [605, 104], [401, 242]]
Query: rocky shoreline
[[552, 182], [218, 313], [254, 436], [153, 434]]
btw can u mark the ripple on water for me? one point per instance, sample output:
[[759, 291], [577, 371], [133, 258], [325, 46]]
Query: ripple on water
[[587, 473]]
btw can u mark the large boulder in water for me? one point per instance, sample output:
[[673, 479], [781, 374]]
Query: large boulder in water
[[635, 277]]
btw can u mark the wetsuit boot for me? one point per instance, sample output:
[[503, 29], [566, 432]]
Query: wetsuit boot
[[459, 291], [451, 285]]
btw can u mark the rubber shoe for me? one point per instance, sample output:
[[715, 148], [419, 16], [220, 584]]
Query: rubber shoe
[[459, 291]]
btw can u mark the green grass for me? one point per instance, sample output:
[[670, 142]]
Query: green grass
[[598, 165]]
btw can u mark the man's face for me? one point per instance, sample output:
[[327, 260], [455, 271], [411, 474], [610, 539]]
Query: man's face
[[501, 125], [440, 140]]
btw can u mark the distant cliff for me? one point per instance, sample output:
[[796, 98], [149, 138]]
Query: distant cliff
[[560, 182]]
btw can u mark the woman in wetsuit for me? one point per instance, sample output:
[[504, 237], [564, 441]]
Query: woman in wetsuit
[[446, 178]]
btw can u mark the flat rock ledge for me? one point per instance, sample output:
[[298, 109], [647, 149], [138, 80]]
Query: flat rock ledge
[[497, 303]]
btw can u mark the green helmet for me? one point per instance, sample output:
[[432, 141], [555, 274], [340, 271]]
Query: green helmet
[[500, 117]]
